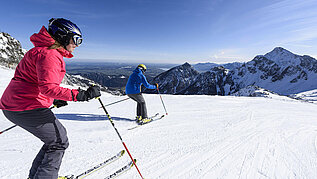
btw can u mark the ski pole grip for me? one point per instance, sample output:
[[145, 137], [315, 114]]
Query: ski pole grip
[[98, 96]]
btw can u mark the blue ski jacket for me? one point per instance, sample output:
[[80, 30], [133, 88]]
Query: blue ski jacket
[[135, 81]]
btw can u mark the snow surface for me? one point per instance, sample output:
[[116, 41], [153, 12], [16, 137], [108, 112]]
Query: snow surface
[[310, 96], [202, 137]]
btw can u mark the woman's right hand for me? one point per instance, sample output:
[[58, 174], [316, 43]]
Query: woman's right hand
[[90, 93]]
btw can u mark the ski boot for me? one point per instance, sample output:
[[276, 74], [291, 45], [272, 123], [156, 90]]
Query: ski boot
[[138, 119], [146, 120]]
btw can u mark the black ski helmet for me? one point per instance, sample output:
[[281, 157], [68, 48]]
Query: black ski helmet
[[63, 30]]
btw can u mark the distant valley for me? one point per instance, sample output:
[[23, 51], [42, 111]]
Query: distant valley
[[111, 74]]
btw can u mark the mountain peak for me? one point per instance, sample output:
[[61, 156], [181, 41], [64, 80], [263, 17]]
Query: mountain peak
[[282, 56], [186, 64], [279, 51]]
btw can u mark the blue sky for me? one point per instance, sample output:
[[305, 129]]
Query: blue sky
[[172, 31]]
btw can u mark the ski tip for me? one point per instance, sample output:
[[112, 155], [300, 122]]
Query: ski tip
[[134, 161], [122, 152]]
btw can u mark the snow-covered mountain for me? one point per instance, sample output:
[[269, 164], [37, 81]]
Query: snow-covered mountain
[[175, 79], [11, 51], [279, 70], [202, 137], [209, 83]]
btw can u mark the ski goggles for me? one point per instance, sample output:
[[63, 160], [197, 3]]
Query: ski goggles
[[77, 39]]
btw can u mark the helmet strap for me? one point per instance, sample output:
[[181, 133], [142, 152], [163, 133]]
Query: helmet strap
[[142, 69]]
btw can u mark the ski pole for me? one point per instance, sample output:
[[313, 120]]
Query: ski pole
[[116, 102], [17, 125], [8, 129], [161, 100], [112, 123]]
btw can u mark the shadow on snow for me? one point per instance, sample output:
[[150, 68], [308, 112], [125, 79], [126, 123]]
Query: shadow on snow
[[89, 117]]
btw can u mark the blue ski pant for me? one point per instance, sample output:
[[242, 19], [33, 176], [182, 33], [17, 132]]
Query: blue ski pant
[[43, 124]]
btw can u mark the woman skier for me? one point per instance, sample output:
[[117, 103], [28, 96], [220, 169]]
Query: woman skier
[[133, 90], [34, 87]]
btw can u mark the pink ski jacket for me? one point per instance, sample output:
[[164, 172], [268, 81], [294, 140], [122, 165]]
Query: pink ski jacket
[[37, 77]]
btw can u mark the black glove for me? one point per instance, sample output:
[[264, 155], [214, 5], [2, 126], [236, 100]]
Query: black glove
[[91, 92], [59, 103]]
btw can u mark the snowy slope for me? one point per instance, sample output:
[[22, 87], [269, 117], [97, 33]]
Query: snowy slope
[[310, 96], [202, 137]]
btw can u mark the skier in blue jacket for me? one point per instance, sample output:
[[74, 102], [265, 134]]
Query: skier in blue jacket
[[133, 90]]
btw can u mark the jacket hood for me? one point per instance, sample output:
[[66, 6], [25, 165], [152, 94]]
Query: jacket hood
[[44, 39], [137, 70]]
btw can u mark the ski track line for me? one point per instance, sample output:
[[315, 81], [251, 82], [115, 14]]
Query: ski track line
[[264, 156], [265, 159], [227, 150], [242, 166], [315, 144], [297, 164], [259, 154], [159, 162], [158, 167], [214, 160], [161, 166], [276, 158], [292, 155], [232, 146], [183, 160], [230, 149], [233, 143], [176, 157]]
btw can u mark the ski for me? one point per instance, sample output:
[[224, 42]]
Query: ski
[[156, 117], [121, 170], [97, 167]]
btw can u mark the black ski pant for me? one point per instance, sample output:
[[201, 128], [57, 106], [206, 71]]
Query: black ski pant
[[43, 124], [141, 106]]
